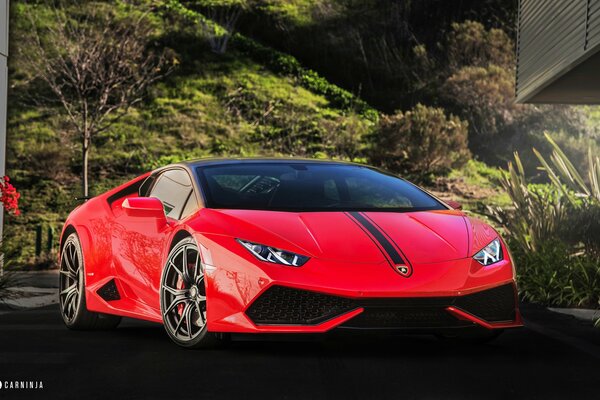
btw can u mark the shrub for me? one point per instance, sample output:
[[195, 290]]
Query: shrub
[[469, 43], [420, 142], [485, 95], [555, 230], [552, 275], [478, 85]]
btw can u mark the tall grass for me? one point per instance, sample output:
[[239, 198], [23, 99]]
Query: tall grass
[[554, 229]]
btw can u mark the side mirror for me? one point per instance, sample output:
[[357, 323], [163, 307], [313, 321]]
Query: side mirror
[[147, 207], [454, 204]]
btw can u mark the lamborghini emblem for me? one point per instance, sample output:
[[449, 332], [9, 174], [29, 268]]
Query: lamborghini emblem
[[403, 269]]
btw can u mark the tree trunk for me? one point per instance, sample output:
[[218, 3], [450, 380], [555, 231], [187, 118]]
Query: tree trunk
[[84, 171]]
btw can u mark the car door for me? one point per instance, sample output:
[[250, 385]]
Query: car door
[[139, 244]]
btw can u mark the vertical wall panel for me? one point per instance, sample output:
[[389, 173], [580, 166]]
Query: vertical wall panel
[[3, 99], [552, 36], [593, 24], [4, 27]]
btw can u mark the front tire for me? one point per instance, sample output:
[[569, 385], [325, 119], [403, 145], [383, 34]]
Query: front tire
[[183, 297], [73, 310]]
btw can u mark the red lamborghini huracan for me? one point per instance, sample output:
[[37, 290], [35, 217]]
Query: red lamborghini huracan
[[219, 246]]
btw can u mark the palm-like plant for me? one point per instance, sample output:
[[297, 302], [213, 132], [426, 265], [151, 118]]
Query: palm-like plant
[[557, 228], [562, 173], [569, 210]]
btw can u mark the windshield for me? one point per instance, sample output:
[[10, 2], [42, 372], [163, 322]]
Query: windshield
[[309, 187]]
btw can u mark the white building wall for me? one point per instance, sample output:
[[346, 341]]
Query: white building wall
[[3, 89]]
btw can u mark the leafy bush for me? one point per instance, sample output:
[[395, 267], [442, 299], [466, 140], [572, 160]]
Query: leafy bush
[[485, 94], [478, 85], [552, 275], [420, 142], [555, 230], [470, 44]]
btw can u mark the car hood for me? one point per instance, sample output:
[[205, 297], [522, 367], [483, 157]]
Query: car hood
[[421, 237]]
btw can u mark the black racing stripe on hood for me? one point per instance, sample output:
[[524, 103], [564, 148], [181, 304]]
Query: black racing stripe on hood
[[379, 236]]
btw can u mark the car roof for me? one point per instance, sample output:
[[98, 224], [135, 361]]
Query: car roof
[[253, 160]]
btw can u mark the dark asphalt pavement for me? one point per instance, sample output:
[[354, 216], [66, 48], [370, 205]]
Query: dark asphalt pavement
[[555, 359]]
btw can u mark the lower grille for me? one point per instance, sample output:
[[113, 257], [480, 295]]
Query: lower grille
[[280, 305], [493, 305], [286, 306]]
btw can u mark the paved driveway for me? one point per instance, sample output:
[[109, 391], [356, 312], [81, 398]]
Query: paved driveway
[[550, 360]]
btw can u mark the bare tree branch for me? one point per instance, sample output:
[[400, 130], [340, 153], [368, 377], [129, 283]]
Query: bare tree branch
[[97, 68]]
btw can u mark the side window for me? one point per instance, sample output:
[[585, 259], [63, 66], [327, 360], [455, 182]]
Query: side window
[[190, 207], [174, 188]]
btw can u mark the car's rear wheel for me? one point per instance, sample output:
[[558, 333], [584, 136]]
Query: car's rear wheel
[[183, 297], [72, 290]]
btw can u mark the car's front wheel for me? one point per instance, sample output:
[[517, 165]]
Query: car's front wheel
[[183, 297]]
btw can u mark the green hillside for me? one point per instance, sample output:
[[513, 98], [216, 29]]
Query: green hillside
[[422, 88], [211, 105]]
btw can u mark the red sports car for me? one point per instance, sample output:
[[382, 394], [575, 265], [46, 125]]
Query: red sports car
[[221, 246]]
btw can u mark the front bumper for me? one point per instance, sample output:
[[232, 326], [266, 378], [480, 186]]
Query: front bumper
[[363, 296], [283, 306]]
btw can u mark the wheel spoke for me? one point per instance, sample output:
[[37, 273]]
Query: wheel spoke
[[201, 298], [71, 288], [188, 320], [73, 260], [200, 314], [174, 304], [180, 273], [197, 267], [73, 305], [181, 318], [68, 300], [174, 292], [186, 268], [69, 266], [68, 274]]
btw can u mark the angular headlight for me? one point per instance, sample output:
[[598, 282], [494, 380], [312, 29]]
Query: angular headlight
[[273, 255], [490, 254]]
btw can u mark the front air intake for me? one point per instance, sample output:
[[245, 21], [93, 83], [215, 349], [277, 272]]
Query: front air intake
[[493, 305], [280, 305]]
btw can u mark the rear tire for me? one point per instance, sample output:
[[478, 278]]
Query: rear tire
[[73, 310], [183, 298]]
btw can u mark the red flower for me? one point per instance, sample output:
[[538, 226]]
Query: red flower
[[9, 197]]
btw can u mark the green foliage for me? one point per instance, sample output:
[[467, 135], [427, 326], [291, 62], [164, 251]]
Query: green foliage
[[212, 105], [420, 142], [287, 64], [296, 12], [478, 85], [471, 44], [561, 171], [478, 173], [536, 213], [485, 96], [555, 231], [475, 185], [554, 276]]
